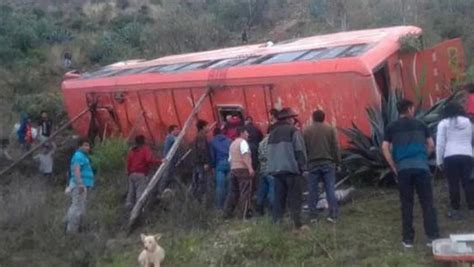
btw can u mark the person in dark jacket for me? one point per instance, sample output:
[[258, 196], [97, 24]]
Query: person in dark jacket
[[202, 160], [406, 147], [45, 126], [220, 162], [168, 176], [140, 159], [273, 118], [266, 184], [286, 157], [324, 156], [255, 137]]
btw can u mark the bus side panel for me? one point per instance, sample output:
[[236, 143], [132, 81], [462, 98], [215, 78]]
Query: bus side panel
[[184, 104], [136, 117], [206, 112], [166, 108], [429, 75], [152, 116], [344, 98], [75, 102], [255, 101]]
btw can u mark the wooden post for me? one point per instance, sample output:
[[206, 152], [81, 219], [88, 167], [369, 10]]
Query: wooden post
[[156, 177], [31, 151]]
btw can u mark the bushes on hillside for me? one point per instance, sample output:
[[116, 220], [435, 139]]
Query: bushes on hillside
[[109, 155], [33, 104]]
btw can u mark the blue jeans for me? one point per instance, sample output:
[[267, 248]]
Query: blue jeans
[[327, 173], [222, 181], [266, 190]]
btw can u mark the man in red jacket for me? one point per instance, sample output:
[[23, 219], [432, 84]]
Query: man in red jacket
[[139, 161]]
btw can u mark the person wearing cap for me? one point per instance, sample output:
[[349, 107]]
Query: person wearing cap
[[286, 163]]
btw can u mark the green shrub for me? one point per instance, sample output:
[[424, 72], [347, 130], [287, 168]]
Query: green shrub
[[410, 43], [109, 155], [33, 104]]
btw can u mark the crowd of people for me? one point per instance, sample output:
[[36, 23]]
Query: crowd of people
[[245, 163], [27, 133]]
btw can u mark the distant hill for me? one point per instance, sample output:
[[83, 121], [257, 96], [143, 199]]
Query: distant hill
[[35, 34]]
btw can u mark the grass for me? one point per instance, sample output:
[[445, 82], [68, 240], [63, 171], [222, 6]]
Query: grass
[[367, 234]]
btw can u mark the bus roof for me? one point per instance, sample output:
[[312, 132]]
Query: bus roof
[[361, 51]]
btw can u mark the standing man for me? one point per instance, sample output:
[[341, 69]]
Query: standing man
[[220, 145], [286, 163], [140, 159], [266, 184], [406, 147], [273, 118], [241, 174], [324, 156], [202, 159], [168, 176], [45, 126], [255, 137], [80, 182]]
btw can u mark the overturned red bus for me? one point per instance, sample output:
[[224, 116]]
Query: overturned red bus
[[341, 73]]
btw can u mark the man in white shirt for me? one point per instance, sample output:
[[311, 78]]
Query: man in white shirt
[[241, 175]]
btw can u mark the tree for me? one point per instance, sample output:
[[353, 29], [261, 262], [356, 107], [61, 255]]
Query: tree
[[333, 12]]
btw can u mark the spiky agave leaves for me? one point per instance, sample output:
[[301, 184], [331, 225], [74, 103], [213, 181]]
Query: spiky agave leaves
[[364, 158], [432, 116]]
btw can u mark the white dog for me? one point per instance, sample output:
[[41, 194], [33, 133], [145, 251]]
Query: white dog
[[153, 254]]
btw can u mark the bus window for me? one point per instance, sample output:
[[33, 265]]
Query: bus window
[[225, 111]]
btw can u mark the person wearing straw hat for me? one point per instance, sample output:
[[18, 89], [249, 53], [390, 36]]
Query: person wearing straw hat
[[286, 163]]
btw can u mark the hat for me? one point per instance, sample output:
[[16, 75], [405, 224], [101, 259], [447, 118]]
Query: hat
[[286, 113]]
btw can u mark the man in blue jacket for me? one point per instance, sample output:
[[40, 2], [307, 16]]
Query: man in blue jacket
[[168, 176], [220, 162]]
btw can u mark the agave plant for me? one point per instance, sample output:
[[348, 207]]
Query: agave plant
[[364, 158]]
